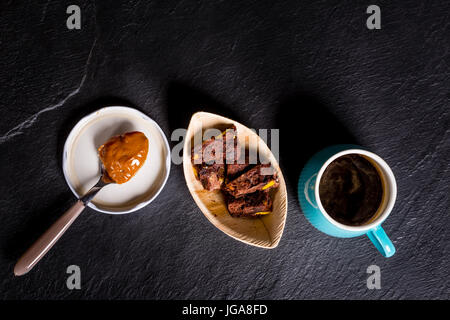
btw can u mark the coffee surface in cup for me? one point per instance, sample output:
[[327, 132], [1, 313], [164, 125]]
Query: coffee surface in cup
[[351, 190]]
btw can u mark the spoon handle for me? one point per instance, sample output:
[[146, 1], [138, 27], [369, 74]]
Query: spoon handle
[[35, 253]]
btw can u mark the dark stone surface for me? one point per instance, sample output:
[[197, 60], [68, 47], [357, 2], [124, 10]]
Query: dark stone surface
[[311, 69]]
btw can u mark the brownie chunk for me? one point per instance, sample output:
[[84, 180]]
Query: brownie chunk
[[253, 180], [217, 165], [230, 145], [235, 169], [209, 152], [208, 158], [212, 176], [253, 204], [220, 149]]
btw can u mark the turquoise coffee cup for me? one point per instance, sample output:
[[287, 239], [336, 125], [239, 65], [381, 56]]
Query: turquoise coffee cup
[[308, 193]]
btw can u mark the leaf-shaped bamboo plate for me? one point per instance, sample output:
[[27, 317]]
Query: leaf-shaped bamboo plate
[[264, 231]]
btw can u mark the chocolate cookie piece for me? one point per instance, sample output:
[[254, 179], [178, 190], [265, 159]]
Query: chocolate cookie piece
[[255, 179], [253, 204]]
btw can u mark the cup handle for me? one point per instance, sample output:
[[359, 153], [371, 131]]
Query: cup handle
[[381, 241]]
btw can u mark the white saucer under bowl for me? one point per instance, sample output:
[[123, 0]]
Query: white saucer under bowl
[[81, 164]]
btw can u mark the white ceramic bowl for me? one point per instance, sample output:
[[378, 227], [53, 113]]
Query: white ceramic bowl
[[81, 164]]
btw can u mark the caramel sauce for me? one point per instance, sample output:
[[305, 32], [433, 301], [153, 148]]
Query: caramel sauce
[[122, 156]]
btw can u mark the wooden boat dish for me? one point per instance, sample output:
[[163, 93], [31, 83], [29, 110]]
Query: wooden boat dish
[[264, 231]]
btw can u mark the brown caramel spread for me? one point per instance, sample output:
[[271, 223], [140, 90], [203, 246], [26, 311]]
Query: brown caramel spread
[[122, 156]]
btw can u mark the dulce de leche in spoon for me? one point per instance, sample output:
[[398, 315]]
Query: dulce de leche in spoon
[[122, 156]]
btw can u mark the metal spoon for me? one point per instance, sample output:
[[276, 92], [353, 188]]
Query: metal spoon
[[35, 253]]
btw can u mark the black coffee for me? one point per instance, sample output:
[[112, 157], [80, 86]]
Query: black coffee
[[351, 190]]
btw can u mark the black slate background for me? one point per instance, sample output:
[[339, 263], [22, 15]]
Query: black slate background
[[311, 69]]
